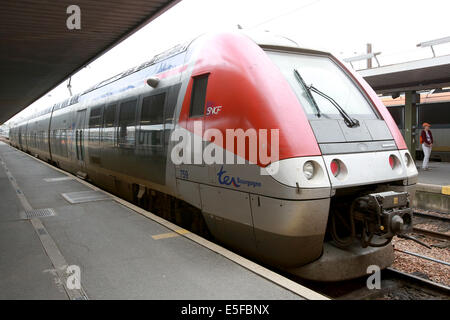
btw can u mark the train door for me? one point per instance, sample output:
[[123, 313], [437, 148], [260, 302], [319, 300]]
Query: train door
[[47, 134], [150, 142], [79, 138], [193, 119], [27, 138], [20, 137]]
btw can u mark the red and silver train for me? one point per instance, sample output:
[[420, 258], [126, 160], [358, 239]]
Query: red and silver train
[[344, 175]]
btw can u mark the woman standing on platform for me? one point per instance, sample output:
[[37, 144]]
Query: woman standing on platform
[[426, 139]]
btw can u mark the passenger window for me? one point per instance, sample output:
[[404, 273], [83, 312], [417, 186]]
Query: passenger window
[[108, 124], [198, 96], [110, 114], [57, 148], [95, 121], [151, 131], [127, 116], [64, 151], [95, 118]]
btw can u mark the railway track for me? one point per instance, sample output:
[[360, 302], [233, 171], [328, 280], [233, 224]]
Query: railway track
[[424, 257], [430, 233], [395, 285], [407, 283], [437, 219], [432, 216]]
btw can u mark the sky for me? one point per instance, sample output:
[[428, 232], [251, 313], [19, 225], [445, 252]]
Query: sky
[[343, 27]]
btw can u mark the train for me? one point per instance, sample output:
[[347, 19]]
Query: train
[[319, 178], [434, 108]]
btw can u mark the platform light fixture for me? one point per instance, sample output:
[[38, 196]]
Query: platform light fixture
[[432, 43], [395, 95]]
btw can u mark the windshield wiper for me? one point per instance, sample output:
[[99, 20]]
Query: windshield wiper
[[307, 90], [349, 121]]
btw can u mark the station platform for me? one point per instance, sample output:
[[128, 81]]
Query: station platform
[[122, 251], [433, 187], [439, 173]]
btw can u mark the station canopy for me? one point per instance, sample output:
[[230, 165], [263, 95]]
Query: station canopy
[[431, 73], [38, 51]]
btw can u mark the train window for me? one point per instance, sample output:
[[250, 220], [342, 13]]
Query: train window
[[108, 124], [42, 140], [152, 120], [36, 140], [397, 115], [64, 151], [33, 141], [95, 117], [198, 96], [110, 115], [438, 114], [95, 121], [327, 76], [56, 144], [127, 118]]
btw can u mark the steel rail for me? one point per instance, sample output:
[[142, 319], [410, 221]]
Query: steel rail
[[423, 257], [433, 234], [433, 216], [428, 283]]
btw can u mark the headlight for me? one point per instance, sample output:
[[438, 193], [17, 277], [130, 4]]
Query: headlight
[[308, 169]]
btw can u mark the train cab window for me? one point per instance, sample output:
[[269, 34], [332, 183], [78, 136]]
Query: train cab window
[[327, 76], [198, 96], [127, 119], [151, 129]]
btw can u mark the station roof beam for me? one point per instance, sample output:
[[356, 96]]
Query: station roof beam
[[38, 51]]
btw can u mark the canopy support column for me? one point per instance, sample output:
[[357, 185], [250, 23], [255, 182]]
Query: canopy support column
[[411, 100]]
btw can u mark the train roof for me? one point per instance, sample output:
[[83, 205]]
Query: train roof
[[74, 99], [265, 40], [269, 40]]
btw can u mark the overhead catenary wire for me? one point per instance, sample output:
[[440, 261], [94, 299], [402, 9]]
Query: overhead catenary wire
[[285, 13]]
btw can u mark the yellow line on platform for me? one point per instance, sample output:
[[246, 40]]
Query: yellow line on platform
[[446, 190], [170, 234]]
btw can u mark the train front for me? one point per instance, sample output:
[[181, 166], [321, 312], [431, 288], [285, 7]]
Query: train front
[[340, 185], [364, 161]]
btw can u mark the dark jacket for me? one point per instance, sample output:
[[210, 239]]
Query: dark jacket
[[423, 137]]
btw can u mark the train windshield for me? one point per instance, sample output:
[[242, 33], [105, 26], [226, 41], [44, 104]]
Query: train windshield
[[324, 74]]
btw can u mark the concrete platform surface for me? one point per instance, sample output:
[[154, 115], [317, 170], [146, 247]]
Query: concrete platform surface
[[439, 173], [110, 243]]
